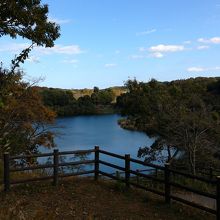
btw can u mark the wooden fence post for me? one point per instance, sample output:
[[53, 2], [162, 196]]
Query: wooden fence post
[[138, 177], [96, 162], [6, 172], [156, 172], [218, 198], [127, 170], [55, 166], [117, 174], [167, 183]]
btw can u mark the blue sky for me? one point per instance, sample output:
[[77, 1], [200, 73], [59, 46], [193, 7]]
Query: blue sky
[[105, 42]]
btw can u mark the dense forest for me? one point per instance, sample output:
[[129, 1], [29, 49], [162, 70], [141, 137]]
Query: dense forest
[[183, 117], [80, 102]]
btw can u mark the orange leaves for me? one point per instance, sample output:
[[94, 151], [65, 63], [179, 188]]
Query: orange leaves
[[23, 117]]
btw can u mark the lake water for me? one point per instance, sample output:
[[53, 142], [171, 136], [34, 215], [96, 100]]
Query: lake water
[[84, 132]]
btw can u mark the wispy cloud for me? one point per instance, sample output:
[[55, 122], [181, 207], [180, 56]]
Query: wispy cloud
[[161, 48], [13, 47], [142, 49], [59, 21], [203, 69], [57, 49], [136, 57], [157, 55], [203, 47], [146, 32], [33, 59], [195, 69], [110, 65], [187, 42], [213, 40], [73, 61], [60, 49]]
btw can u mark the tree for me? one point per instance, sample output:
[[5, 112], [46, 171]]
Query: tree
[[24, 119], [179, 116], [57, 97], [96, 89], [27, 19], [102, 97]]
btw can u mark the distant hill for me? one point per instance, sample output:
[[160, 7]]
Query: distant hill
[[69, 102], [117, 90]]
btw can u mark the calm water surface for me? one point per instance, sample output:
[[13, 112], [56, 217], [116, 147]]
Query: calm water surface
[[84, 132]]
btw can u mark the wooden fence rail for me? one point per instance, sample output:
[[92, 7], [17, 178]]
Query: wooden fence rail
[[166, 179], [55, 165]]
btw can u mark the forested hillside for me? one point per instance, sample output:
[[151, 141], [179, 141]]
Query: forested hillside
[[82, 101], [183, 117]]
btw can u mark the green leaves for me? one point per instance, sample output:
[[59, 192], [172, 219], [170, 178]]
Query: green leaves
[[27, 19], [21, 57], [181, 115], [23, 117]]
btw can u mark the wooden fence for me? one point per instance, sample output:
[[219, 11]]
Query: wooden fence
[[165, 179]]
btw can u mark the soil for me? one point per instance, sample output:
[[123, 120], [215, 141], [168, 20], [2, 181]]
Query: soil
[[84, 198]]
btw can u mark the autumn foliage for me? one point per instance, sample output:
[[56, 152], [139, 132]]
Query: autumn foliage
[[24, 120]]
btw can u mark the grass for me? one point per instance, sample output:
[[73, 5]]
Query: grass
[[83, 198]]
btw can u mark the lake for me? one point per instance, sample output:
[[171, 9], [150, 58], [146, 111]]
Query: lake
[[84, 132]]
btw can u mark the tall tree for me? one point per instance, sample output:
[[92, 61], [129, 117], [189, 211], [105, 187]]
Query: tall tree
[[24, 119]]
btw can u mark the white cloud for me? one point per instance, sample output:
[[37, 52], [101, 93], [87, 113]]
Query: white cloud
[[146, 32], [203, 69], [33, 59], [203, 47], [57, 49], [109, 65], [60, 49], [161, 48], [202, 40], [157, 55], [73, 61], [213, 40], [59, 21], [195, 69]]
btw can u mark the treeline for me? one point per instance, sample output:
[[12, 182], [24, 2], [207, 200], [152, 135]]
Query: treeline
[[182, 116], [64, 103]]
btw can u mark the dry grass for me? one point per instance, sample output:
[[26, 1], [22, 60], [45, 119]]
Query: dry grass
[[83, 198]]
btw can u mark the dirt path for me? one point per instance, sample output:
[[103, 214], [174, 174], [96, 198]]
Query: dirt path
[[83, 198], [202, 200]]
